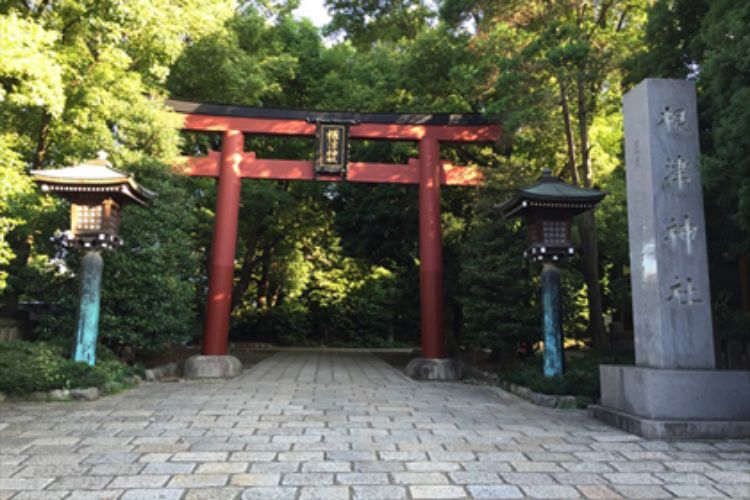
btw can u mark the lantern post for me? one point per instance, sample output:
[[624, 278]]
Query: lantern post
[[548, 208], [96, 193]]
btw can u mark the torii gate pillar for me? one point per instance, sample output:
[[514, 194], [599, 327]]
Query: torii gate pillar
[[214, 361], [430, 250], [223, 246], [433, 365]]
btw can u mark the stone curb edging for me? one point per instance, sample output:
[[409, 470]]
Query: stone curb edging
[[561, 402], [169, 371], [87, 394]]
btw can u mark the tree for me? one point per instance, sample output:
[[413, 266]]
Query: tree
[[30, 82], [497, 290], [707, 41], [78, 77], [366, 22], [673, 39], [554, 69]]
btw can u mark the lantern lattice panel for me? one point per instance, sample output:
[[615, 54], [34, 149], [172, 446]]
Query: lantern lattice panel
[[555, 232]]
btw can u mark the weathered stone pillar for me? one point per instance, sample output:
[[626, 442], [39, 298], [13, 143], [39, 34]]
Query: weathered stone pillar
[[554, 356], [669, 266], [87, 322], [673, 390]]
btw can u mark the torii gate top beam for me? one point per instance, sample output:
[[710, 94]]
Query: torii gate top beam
[[205, 117]]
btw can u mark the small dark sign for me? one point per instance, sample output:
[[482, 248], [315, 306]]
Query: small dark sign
[[332, 149]]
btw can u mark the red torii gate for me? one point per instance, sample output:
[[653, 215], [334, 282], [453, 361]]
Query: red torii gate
[[233, 164]]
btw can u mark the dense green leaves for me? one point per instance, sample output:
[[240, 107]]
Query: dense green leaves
[[366, 22], [709, 42], [78, 77], [27, 367], [339, 263]]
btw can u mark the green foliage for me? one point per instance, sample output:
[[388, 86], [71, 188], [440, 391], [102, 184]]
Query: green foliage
[[581, 377], [726, 89], [286, 324], [75, 78], [158, 264], [497, 288], [708, 41], [30, 75], [365, 23], [26, 367], [246, 58], [672, 36], [338, 264]]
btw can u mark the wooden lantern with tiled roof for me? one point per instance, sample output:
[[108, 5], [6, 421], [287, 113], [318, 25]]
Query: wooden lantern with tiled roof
[[548, 207], [97, 193]]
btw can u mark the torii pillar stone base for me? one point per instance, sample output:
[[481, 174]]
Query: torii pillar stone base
[[212, 367], [674, 391]]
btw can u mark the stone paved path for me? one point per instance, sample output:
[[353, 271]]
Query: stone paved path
[[329, 426]]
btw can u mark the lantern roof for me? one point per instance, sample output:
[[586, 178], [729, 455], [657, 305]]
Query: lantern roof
[[93, 177], [550, 192]]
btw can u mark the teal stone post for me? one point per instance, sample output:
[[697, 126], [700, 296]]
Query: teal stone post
[[88, 308], [553, 348]]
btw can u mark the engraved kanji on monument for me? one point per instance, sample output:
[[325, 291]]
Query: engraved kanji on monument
[[669, 268]]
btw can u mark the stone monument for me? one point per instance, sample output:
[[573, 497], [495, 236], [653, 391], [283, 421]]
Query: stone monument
[[674, 390]]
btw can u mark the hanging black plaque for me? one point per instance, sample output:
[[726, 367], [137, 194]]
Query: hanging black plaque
[[332, 149]]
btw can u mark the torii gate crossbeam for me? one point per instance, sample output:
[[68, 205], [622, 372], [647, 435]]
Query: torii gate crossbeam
[[233, 164]]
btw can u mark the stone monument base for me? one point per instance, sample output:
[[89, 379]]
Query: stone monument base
[[673, 404], [212, 367], [433, 369]]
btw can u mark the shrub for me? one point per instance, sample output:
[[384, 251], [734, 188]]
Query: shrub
[[27, 367], [581, 377]]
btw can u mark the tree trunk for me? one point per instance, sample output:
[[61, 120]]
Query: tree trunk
[[264, 282], [587, 229], [744, 267], [245, 275], [590, 258], [41, 144], [391, 328], [569, 139]]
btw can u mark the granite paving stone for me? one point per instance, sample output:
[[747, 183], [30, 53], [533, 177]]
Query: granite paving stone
[[270, 493], [140, 481], [550, 491], [379, 492], [643, 491], [40, 495], [364, 478], [221, 468], [198, 480], [407, 478], [495, 491], [255, 479], [153, 494], [324, 493], [437, 492], [735, 490], [114, 494], [597, 491], [168, 468], [327, 424], [226, 493], [694, 491]]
